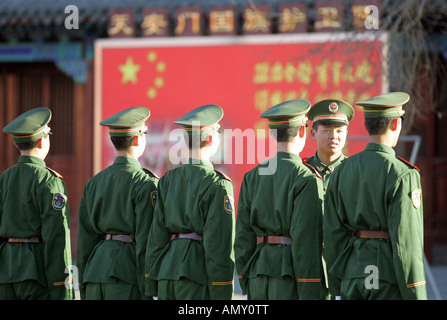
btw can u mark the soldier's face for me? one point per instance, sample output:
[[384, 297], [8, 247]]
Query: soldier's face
[[330, 139]]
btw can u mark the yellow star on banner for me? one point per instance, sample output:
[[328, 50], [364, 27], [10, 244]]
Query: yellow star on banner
[[159, 81], [129, 71]]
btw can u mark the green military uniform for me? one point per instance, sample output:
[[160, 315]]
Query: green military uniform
[[331, 113], [373, 222], [190, 245], [279, 223], [34, 220], [115, 214], [324, 170]]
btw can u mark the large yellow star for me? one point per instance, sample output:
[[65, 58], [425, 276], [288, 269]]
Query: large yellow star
[[129, 71]]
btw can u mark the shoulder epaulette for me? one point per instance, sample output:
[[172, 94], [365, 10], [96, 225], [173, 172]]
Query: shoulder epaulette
[[57, 174], [223, 175], [151, 172], [315, 170], [409, 163], [305, 160]]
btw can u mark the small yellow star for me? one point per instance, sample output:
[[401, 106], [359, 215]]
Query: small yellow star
[[159, 82], [152, 93], [152, 56], [129, 71], [161, 66]]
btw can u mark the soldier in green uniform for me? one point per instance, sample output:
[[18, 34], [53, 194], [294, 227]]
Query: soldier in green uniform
[[35, 250], [373, 217], [329, 129], [190, 244], [278, 243], [115, 215]]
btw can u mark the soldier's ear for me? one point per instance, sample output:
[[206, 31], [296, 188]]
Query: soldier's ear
[[302, 131], [39, 143], [210, 139], [136, 141], [395, 124], [313, 133]]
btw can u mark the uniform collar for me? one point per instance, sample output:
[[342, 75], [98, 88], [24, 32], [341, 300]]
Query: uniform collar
[[288, 155], [380, 147], [32, 159], [320, 166], [127, 160], [201, 163]]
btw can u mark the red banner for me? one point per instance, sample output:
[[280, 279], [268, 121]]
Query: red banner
[[244, 75]]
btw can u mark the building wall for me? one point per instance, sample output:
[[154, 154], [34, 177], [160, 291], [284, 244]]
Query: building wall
[[28, 85]]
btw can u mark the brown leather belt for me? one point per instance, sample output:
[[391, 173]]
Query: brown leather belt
[[192, 235], [119, 237], [26, 240], [372, 234], [275, 240]]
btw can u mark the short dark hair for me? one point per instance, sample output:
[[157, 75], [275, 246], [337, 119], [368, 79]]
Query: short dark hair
[[122, 143], [195, 141], [376, 126], [23, 146], [285, 134]]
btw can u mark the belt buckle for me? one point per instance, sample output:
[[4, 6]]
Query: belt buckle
[[108, 236]]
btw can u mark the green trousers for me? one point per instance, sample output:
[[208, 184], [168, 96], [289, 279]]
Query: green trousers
[[183, 289], [25, 290], [119, 290], [355, 289], [267, 288]]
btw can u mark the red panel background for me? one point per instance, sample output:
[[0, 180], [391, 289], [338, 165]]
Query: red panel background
[[243, 78]]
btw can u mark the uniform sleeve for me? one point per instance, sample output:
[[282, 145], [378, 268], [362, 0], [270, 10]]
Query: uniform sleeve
[[144, 212], [335, 235], [87, 239], [407, 236], [157, 240], [245, 243], [55, 216], [218, 240], [306, 233]]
